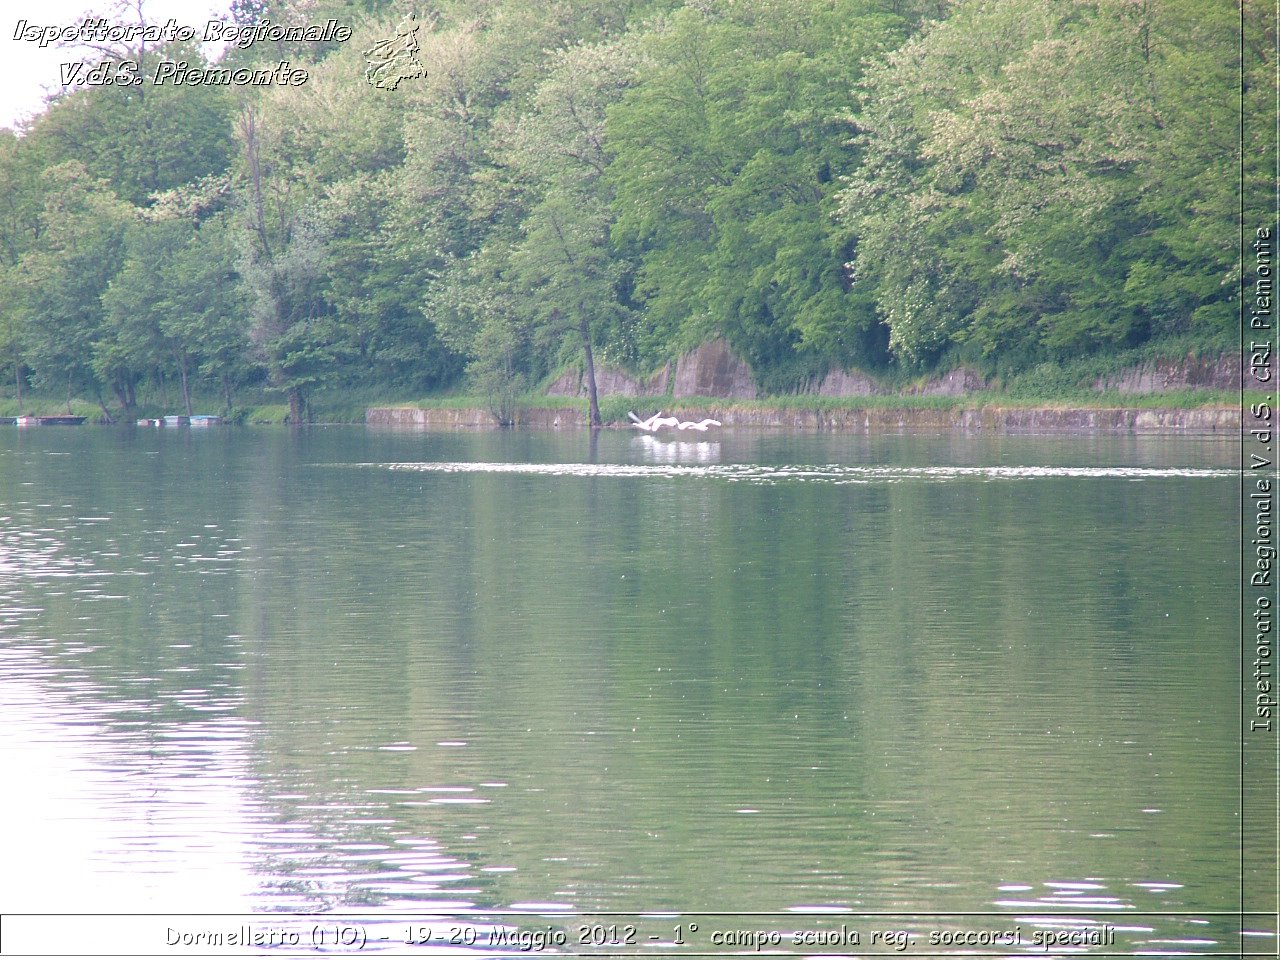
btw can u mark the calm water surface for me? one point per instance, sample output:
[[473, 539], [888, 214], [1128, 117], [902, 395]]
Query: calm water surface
[[249, 670]]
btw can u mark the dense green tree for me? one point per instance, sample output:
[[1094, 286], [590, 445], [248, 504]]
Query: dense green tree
[[377, 278], [1045, 178], [176, 309], [21, 203], [570, 279], [378, 258], [132, 341], [21, 197], [282, 263], [726, 157], [204, 309], [13, 331], [478, 312], [141, 139], [60, 281], [458, 191], [460, 208]]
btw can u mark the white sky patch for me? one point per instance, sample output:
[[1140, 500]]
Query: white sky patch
[[29, 73]]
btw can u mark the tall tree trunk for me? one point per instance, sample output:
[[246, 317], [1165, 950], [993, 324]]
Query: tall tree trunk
[[593, 400], [17, 378], [118, 387], [106, 414], [275, 324], [226, 395], [186, 386], [249, 130]]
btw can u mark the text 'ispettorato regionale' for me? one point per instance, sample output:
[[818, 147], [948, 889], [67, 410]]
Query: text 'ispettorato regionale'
[[97, 30]]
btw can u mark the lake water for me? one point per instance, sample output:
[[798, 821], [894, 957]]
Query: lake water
[[473, 674]]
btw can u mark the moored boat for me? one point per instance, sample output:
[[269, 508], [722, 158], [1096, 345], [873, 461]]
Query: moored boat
[[64, 420], [59, 420]]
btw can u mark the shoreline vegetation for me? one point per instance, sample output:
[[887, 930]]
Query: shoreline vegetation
[[1178, 411], [1188, 390]]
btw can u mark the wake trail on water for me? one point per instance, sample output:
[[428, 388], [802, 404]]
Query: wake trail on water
[[783, 473]]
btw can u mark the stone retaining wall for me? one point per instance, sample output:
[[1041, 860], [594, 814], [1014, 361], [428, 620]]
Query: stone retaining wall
[[993, 419], [1224, 372]]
